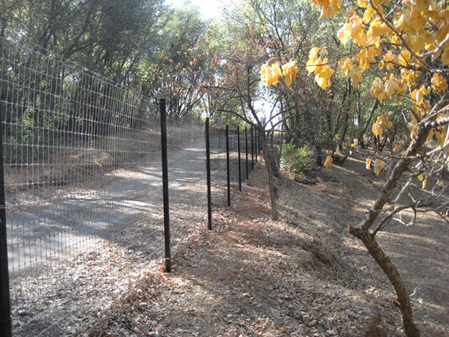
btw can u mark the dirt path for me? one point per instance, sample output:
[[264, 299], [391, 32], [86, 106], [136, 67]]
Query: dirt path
[[125, 196], [51, 296]]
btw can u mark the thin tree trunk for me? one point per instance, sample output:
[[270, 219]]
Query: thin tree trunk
[[271, 188], [393, 275], [363, 232]]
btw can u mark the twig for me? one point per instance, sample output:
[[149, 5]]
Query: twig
[[325, 201], [341, 264]]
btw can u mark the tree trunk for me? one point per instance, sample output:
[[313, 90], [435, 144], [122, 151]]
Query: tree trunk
[[271, 188], [369, 240], [393, 275]]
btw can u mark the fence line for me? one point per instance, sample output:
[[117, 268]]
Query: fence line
[[242, 151], [71, 141], [82, 160]]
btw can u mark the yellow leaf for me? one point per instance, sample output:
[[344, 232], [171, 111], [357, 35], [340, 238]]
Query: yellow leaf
[[396, 148], [377, 129], [421, 177], [378, 27], [439, 82], [386, 121], [379, 166], [326, 72], [324, 83], [318, 66], [377, 89], [290, 70], [424, 183], [330, 10], [265, 76], [368, 163], [381, 122], [404, 58], [418, 96], [345, 65], [442, 32], [323, 73], [328, 161], [425, 90], [394, 38], [313, 57], [276, 69], [445, 57], [275, 72], [355, 73], [362, 3], [344, 34], [270, 74]]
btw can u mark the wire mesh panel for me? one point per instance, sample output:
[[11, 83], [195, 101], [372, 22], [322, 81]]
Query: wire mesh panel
[[236, 162], [82, 160], [68, 138], [187, 179]]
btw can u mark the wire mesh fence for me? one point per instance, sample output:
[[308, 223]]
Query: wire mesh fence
[[82, 164], [81, 160]]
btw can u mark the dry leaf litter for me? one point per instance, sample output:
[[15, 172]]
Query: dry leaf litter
[[249, 276]]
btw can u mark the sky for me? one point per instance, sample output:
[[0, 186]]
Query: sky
[[208, 8]]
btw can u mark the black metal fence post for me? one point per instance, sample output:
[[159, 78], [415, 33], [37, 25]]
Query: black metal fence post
[[228, 173], [240, 165], [252, 149], [246, 150], [209, 192], [256, 142], [165, 185], [5, 309]]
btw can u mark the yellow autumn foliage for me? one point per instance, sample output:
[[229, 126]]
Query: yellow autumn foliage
[[368, 163], [328, 161], [401, 43], [320, 67], [289, 70], [269, 74], [381, 123], [379, 166]]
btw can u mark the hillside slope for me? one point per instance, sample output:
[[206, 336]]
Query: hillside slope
[[301, 276]]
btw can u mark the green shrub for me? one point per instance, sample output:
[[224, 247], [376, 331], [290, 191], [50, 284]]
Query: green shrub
[[294, 159]]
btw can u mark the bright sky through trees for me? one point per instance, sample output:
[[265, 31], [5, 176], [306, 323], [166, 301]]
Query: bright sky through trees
[[208, 8]]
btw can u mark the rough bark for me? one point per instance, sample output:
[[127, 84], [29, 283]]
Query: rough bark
[[393, 275], [271, 187]]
